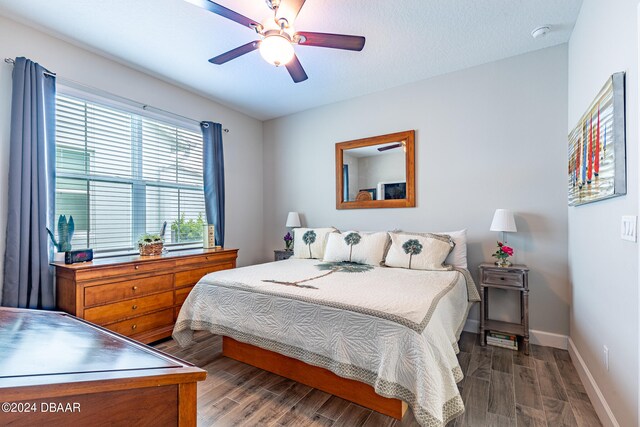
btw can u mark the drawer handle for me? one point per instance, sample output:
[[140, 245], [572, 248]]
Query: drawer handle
[[502, 278], [134, 307], [134, 326], [134, 288], [137, 267]]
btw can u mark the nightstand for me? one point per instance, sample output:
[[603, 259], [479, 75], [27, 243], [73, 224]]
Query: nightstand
[[513, 278], [280, 254]]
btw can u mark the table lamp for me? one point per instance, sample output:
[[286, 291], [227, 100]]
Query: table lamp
[[504, 222], [293, 220]]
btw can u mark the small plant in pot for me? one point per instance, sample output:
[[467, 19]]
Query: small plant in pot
[[150, 244], [65, 234]]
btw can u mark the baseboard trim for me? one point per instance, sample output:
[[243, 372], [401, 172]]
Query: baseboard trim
[[597, 398], [547, 339], [472, 325]]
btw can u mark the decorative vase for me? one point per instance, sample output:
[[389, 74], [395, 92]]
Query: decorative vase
[[58, 257], [503, 262], [288, 245]]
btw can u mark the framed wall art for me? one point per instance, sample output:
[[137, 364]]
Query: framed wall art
[[597, 150]]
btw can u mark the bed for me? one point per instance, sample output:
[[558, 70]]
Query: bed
[[393, 329]]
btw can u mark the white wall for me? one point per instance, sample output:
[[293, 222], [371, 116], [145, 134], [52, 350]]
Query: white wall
[[388, 167], [604, 268], [243, 145], [488, 137]]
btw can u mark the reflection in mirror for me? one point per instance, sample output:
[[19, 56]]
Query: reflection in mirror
[[376, 172]]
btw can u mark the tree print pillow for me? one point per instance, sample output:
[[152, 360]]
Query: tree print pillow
[[310, 242], [419, 252], [356, 247]]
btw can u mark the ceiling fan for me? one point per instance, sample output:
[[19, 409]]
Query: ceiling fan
[[277, 36], [394, 145], [391, 147]]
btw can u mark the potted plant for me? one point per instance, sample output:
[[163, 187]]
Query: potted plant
[[65, 234], [502, 255], [288, 242], [150, 244], [187, 230]]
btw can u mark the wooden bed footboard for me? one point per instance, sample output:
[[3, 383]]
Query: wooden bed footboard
[[313, 376]]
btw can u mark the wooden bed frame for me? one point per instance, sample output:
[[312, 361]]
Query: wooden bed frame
[[313, 376]]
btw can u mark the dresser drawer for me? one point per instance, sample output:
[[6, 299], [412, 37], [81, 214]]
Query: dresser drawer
[[191, 277], [105, 314], [182, 294], [504, 278], [206, 259], [124, 269], [143, 323], [113, 292]]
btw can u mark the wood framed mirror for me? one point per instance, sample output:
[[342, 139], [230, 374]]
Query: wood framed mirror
[[376, 172]]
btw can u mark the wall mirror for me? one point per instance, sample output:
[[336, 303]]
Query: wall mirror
[[376, 172]]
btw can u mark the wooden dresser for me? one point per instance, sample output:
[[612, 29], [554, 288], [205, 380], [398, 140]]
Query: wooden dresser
[[136, 296]]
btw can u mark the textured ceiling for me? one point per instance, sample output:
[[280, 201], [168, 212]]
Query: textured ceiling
[[407, 40]]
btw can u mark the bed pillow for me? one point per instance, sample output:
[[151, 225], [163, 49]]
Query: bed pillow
[[310, 242], [419, 251], [458, 256], [356, 246]]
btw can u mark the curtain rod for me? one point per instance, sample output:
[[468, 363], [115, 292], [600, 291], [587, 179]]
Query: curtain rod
[[143, 106], [46, 72]]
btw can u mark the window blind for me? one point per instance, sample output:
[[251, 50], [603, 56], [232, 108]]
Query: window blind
[[121, 175]]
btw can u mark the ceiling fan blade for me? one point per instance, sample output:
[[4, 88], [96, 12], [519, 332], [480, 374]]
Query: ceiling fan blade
[[334, 41], [289, 10], [294, 67], [389, 147], [233, 54], [227, 13]]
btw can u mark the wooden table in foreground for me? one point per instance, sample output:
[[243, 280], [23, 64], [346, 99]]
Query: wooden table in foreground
[[56, 369]]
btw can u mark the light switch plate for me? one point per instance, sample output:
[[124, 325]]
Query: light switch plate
[[629, 228]]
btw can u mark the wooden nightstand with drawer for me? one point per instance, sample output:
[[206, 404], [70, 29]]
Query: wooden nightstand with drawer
[[515, 278], [282, 254], [136, 296]]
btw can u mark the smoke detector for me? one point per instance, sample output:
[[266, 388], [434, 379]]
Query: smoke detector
[[540, 32]]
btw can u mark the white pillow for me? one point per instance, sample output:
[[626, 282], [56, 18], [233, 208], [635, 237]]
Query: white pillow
[[458, 256], [419, 251], [356, 246], [310, 242]]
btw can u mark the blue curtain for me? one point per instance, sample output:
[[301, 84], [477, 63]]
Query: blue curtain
[[345, 183], [213, 164], [28, 277]]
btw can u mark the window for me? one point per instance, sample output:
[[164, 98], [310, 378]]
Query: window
[[120, 175]]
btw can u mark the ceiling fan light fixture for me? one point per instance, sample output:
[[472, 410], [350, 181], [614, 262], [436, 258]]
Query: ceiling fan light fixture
[[276, 49]]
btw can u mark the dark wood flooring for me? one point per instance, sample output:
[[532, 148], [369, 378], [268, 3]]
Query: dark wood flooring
[[501, 388]]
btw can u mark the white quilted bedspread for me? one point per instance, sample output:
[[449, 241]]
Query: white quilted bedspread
[[395, 329]]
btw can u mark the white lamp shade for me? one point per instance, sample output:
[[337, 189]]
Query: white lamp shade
[[503, 221], [276, 50], [293, 220]]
